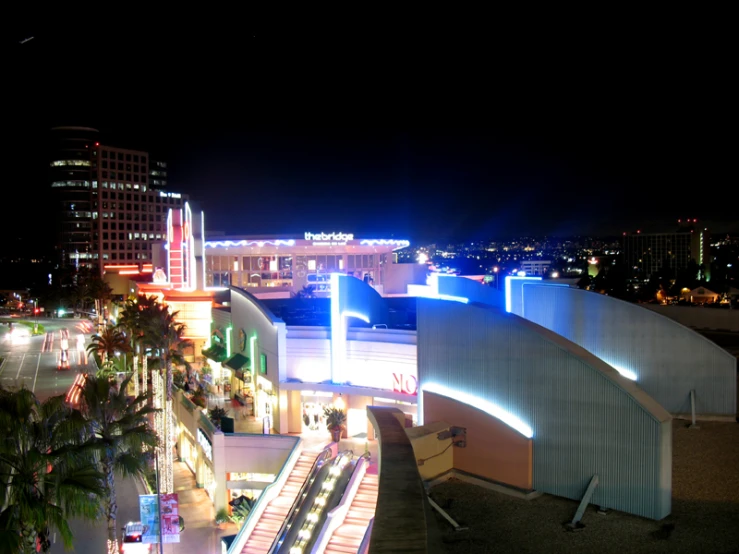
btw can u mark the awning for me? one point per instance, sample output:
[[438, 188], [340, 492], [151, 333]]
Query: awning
[[236, 362]]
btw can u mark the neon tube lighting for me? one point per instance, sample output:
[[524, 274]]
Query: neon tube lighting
[[355, 314], [385, 242], [481, 404], [624, 372], [508, 280], [434, 284], [259, 243]]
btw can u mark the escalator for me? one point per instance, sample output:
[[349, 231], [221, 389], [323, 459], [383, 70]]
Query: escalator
[[304, 526], [271, 521], [348, 535]]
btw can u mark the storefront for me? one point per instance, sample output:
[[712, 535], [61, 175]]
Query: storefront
[[312, 406], [188, 451], [248, 485], [290, 264], [204, 474]]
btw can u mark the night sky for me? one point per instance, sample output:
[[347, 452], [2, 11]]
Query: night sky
[[563, 125]]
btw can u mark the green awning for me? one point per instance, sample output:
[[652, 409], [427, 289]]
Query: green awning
[[236, 362]]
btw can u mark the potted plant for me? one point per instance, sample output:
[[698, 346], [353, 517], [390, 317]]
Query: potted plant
[[215, 415], [335, 419], [222, 518]]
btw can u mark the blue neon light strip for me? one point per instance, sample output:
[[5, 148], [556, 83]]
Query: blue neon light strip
[[259, 243], [481, 404], [385, 242]]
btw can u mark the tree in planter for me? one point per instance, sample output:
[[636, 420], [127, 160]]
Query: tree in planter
[[199, 398], [335, 419], [215, 415]]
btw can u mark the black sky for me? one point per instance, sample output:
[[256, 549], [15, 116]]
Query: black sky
[[474, 126]]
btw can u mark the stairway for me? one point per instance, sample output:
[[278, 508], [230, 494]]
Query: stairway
[[266, 529], [348, 536]]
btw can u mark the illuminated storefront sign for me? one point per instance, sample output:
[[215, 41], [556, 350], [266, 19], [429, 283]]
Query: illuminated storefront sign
[[329, 238], [204, 441], [406, 384]]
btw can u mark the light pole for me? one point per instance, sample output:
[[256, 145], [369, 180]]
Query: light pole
[[159, 501]]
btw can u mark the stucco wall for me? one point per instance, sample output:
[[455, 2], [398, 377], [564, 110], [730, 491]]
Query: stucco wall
[[586, 419], [493, 450]]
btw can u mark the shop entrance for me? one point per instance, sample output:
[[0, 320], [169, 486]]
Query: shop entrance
[[312, 404]]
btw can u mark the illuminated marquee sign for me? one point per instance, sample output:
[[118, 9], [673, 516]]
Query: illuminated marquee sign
[[407, 384], [329, 238], [204, 441]]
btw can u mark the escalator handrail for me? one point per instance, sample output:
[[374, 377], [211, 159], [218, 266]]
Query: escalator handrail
[[364, 545], [320, 523], [324, 455]]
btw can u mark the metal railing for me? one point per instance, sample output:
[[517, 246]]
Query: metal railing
[[293, 512]]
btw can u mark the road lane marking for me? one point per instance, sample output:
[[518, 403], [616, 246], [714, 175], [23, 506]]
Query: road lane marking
[[2, 365], [20, 367], [33, 389]]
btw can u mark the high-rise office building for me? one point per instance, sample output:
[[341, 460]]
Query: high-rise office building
[[647, 253], [110, 211]]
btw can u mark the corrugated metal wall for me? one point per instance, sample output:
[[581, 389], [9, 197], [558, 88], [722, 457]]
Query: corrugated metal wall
[[586, 419], [668, 359]]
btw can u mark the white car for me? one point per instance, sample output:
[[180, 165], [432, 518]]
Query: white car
[[133, 534]]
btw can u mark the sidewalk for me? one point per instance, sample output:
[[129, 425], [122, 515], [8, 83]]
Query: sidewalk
[[201, 535]]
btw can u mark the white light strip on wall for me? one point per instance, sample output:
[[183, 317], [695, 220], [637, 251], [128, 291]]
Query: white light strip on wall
[[624, 372], [355, 314], [481, 404]]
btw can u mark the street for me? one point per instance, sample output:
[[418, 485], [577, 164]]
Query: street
[[32, 362], [89, 537]]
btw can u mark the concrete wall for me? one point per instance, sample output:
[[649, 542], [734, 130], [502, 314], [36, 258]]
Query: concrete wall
[[584, 417], [699, 317], [667, 359], [493, 450], [398, 276], [438, 455]]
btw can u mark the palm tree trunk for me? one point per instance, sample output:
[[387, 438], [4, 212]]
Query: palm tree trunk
[[28, 538], [111, 508]]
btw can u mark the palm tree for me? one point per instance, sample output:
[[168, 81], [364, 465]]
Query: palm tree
[[120, 431], [47, 472], [166, 335], [108, 343]]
